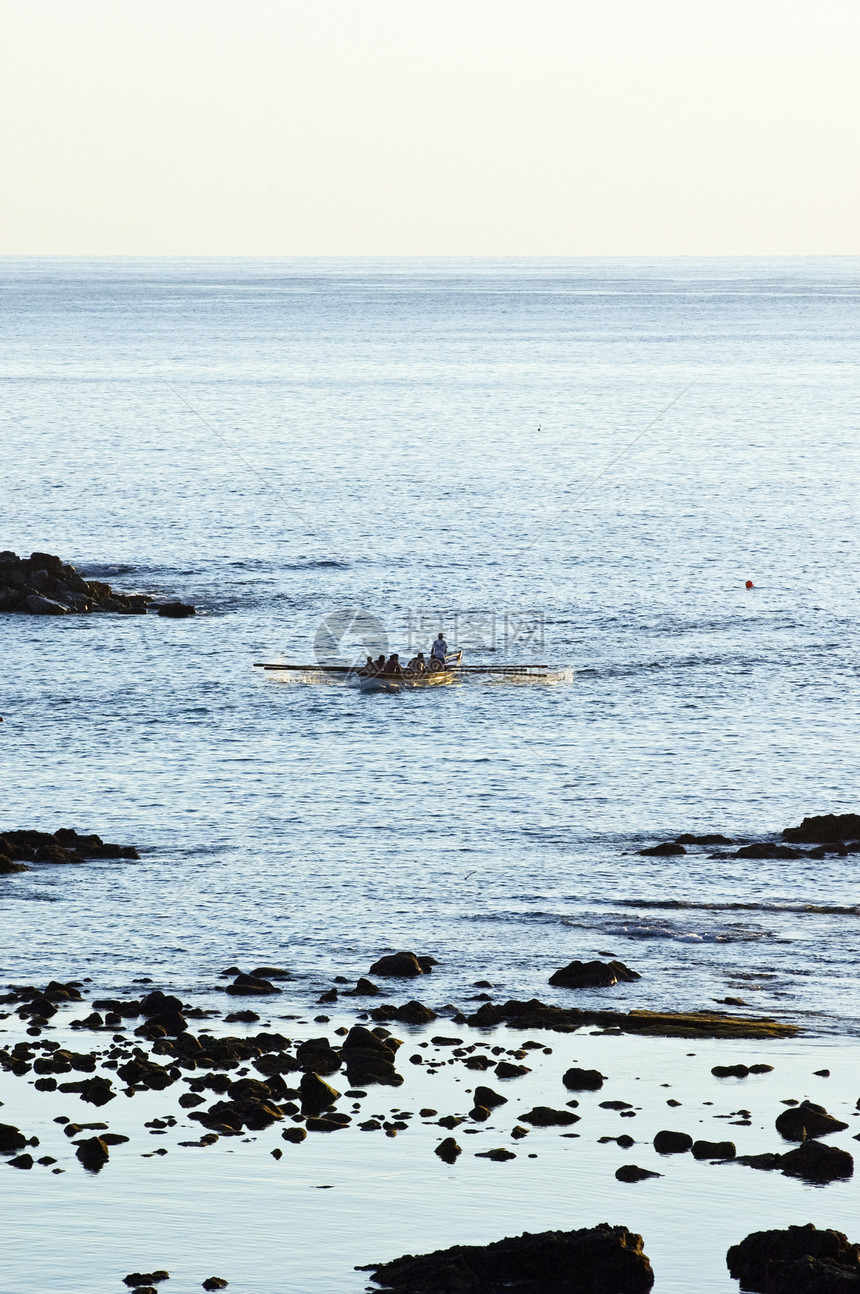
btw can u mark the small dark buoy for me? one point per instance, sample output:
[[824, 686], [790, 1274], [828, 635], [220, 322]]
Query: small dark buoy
[[749, 584]]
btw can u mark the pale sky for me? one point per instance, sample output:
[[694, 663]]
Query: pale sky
[[462, 127]]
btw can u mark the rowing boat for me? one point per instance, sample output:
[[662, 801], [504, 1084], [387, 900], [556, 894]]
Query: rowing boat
[[453, 671]]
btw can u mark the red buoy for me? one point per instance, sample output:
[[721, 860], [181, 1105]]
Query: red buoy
[[750, 584]]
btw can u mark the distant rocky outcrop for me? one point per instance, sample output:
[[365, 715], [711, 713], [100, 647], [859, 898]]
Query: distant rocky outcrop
[[45, 585], [18, 848]]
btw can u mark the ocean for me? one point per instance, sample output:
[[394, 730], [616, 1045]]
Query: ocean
[[579, 463]]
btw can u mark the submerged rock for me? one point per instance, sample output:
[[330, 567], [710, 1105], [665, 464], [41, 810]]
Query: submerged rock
[[402, 965], [797, 1259], [594, 974], [665, 850], [633, 1173], [592, 1260]]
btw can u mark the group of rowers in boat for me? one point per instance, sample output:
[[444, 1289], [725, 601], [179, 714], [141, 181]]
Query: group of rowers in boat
[[417, 665]]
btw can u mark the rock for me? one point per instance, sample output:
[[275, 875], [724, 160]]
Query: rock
[[11, 1139], [489, 1099], [93, 1154], [364, 988], [815, 1162], [826, 829], [36, 605], [21, 1161], [505, 1069], [666, 850], [765, 849], [215, 1283], [593, 1260], [316, 1094], [535, 1014], [583, 1080], [807, 1120], [543, 1116], [730, 1071], [145, 1278], [672, 1143], [594, 974], [499, 1155], [633, 1173], [448, 1150], [798, 1259], [414, 1013], [402, 965], [714, 1150], [326, 1123], [176, 611], [295, 1134], [251, 986], [42, 584], [158, 1003], [713, 839]]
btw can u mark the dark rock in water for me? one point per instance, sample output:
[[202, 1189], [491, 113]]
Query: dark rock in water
[[593, 1260], [714, 1150], [241, 1017], [672, 1143], [448, 1150], [317, 1056], [767, 850], [316, 1094], [633, 1173], [158, 1003], [797, 1260], [369, 1058], [44, 585], [713, 839], [505, 1069], [295, 1134], [489, 1099], [364, 988], [63, 846], [594, 974], [543, 1116], [269, 972], [402, 965], [498, 1155], [21, 1161], [414, 1013], [815, 1162], [665, 850], [583, 1080], [251, 986], [826, 829], [12, 1139], [93, 1154], [176, 610], [215, 1283], [807, 1120], [145, 1278], [535, 1014]]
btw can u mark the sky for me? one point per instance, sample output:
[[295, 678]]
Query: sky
[[461, 128]]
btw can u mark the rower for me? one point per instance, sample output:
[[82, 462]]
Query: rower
[[439, 650], [392, 665], [418, 665], [379, 667], [369, 666]]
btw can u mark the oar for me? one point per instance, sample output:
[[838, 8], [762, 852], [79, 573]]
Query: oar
[[305, 669]]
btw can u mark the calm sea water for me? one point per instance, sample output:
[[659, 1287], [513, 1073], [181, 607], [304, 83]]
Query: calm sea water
[[512, 452]]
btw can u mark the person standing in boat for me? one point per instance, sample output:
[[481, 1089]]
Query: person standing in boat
[[439, 650]]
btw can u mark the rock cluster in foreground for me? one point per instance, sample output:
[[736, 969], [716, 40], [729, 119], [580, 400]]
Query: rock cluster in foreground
[[797, 1260], [592, 1260], [19, 848], [45, 585]]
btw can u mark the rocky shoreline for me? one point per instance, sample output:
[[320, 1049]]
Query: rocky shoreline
[[44, 585], [18, 849]]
